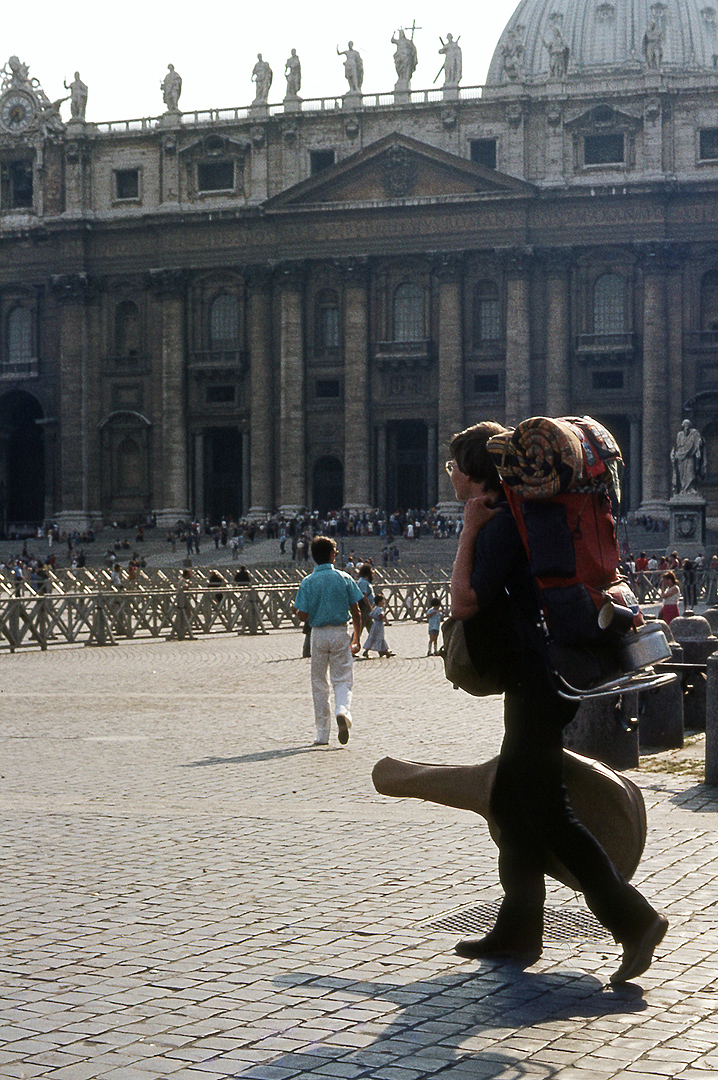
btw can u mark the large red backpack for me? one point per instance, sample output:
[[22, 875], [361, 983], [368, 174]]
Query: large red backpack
[[557, 475]]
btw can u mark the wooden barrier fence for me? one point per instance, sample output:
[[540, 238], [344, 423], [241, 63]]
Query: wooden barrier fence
[[106, 616]]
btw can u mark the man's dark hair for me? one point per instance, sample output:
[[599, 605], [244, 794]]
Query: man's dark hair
[[322, 549], [468, 449]]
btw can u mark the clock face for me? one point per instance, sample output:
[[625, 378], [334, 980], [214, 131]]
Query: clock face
[[17, 111]]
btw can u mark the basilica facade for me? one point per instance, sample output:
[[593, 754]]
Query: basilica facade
[[289, 305]]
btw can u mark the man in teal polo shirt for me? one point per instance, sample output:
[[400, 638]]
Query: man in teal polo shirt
[[328, 598]]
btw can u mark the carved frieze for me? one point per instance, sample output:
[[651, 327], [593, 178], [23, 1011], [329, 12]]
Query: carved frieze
[[399, 172]]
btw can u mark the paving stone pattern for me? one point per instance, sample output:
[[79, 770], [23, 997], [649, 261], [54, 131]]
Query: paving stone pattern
[[189, 890]]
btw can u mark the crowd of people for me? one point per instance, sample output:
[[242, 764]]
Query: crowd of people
[[673, 579]]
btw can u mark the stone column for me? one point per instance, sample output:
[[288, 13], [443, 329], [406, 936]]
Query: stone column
[[170, 170], [357, 429], [518, 346], [381, 492], [292, 449], [674, 300], [634, 465], [73, 293], [171, 494], [261, 422], [198, 501], [656, 433], [259, 170], [558, 373], [451, 376]]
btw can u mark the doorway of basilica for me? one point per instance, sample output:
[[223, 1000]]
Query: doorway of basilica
[[22, 463], [407, 452]]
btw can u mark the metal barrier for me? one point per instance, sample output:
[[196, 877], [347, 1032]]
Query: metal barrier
[[105, 616]]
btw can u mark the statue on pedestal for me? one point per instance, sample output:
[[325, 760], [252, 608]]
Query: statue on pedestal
[[512, 53], [558, 52], [353, 68], [653, 46], [688, 458], [78, 97], [262, 77], [293, 74], [451, 51], [405, 59], [171, 87]]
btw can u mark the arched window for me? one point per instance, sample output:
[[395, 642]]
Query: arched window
[[326, 321], [129, 459], [487, 313], [709, 301], [609, 305], [127, 330], [224, 322], [409, 312], [19, 336]]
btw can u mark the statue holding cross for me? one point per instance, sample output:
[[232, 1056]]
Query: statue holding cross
[[405, 57]]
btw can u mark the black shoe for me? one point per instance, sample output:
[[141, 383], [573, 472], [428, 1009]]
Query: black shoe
[[343, 724], [638, 954], [495, 946]]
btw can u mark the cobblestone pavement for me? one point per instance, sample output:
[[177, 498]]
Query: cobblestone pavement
[[190, 891]]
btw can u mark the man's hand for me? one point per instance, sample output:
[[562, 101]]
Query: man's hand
[[355, 646], [478, 511]]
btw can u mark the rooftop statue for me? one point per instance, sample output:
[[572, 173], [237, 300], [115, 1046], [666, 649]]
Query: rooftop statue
[[171, 87], [512, 52], [405, 58], [293, 73], [558, 52], [653, 45], [353, 67], [17, 76], [78, 97], [688, 458], [262, 76], [451, 51]]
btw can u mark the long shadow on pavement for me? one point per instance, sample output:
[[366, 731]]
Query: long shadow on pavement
[[430, 1025], [260, 755]]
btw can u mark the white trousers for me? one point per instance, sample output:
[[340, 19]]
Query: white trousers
[[331, 658]]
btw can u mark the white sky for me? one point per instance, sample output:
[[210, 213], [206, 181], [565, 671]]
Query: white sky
[[122, 48]]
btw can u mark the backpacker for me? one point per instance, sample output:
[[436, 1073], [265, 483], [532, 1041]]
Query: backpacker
[[557, 475]]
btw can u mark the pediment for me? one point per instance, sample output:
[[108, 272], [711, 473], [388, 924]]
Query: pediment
[[397, 168]]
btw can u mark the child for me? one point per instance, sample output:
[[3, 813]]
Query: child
[[434, 615], [376, 639]]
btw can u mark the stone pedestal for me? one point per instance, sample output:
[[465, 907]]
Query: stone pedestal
[[606, 729], [172, 118], [402, 92], [292, 103], [352, 100], [168, 517], [712, 720], [450, 93], [687, 527]]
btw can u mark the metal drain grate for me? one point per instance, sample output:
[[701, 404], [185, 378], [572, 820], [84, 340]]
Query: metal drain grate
[[560, 923]]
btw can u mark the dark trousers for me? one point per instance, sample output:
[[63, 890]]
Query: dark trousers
[[530, 804]]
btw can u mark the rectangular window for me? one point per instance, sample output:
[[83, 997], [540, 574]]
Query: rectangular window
[[215, 176], [127, 184], [329, 318], [489, 321], [219, 395], [487, 383], [483, 152], [319, 160], [607, 380], [603, 150], [709, 144], [327, 388], [16, 184]]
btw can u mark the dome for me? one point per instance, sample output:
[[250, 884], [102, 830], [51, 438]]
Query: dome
[[606, 34]]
